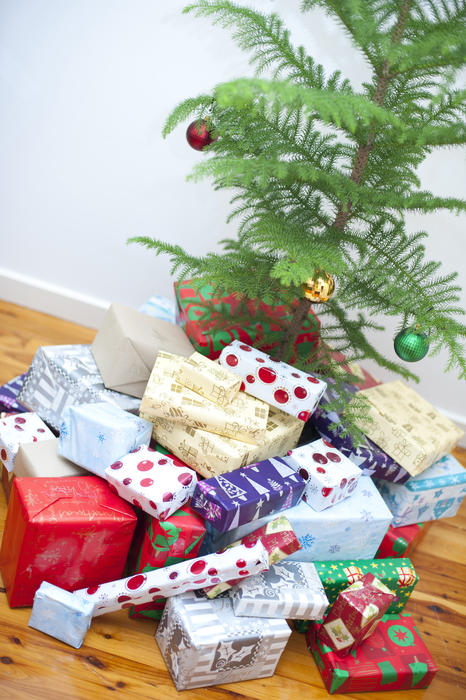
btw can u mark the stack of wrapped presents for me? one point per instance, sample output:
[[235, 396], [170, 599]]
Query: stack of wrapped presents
[[184, 474]]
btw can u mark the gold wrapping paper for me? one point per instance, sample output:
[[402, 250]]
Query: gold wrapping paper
[[211, 454], [245, 418], [407, 427], [209, 379]]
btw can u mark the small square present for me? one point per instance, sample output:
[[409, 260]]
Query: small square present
[[71, 532], [290, 589], [394, 657], [209, 379], [16, 430], [435, 493], [401, 541], [61, 614], [159, 484], [9, 394], [240, 496], [330, 476], [279, 384], [203, 643], [95, 435], [66, 375]]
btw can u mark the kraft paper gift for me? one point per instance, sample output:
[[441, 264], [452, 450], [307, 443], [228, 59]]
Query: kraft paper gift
[[209, 379], [41, 459], [61, 614], [126, 346], [16, 430]]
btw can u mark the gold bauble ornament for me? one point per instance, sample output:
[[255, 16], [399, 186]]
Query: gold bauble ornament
[[319, 289]]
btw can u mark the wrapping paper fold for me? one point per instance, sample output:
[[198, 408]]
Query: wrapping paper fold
[[16, 430], [401, 541], [209, 379]]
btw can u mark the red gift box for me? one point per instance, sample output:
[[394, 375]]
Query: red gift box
[[400, 541], [394, 657], [160, 543], [73, 532]]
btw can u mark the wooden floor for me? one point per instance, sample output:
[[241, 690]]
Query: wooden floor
[[120, 657]]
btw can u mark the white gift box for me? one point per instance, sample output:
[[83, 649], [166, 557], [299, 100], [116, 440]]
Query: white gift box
[[19, 430]]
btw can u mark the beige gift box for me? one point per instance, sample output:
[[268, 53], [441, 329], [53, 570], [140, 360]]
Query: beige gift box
[[211, 454], [209, 379], [407, 427], [244, 418]]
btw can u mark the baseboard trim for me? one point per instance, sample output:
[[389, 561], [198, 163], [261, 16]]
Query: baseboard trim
[[52, 299]]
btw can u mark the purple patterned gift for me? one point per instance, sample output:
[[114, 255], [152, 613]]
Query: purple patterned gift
[[368, 457], [8, 394], [248, 493]]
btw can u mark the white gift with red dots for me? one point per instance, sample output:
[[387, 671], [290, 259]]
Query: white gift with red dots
[[235, 562], [155, 482], [277, 383], [331, 476], [17, 430]]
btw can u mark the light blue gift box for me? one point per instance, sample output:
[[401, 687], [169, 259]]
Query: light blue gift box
[[352, 529], [435, 493], [160, 307], [95, 435], [61, 614]]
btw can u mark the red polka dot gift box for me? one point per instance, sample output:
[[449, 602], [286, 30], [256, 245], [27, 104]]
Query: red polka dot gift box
[[156, 483], [330, 476], [16, 430], [71, 532], [279, 384]]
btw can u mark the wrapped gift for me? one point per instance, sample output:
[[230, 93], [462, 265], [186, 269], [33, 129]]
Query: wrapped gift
[[175, 579], [290, 589], [16, 430], [66, 375], [435, 493], [157, 483], [352, 529], [211, 454], [355, 614], [163, 543], [407, 427], [126, 346], [243, 418], [160, 307], [71, 532], [41, 459], [9, 394], [209, 379], [47, 614], [278, 383], [397, 574], [401, 541], [248, 493], [393, 658], [279, 540], [96, 435], [203, 642], [209, 337], [330, 476]]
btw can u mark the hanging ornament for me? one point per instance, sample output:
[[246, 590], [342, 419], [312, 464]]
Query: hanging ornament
[[319, 289], [198, 134], [410, 345]]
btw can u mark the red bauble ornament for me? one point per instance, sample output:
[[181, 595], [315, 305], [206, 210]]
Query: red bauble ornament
[[198, 134]]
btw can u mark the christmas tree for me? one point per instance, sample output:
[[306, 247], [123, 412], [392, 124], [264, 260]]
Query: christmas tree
[[323, 176]]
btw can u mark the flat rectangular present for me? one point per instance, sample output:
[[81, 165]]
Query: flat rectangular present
[[401, 541], [95, 435], [290, 589], [9, 394], [394, 657], [243, 418], [352, 529], [17, 430], [436, 493], [71, 532], [209, 379], [407, 427], [279, 384], [126, 346], [66, 375], [157, 483], [203, 643], [330, 476], [397, 574], [41, 459], [211, 454], [61, 614]]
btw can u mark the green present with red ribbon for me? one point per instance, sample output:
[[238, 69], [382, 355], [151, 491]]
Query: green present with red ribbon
[[400, 541], [394, 657]]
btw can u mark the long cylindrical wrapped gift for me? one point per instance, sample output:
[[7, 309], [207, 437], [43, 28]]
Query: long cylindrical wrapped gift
[[142, 588]]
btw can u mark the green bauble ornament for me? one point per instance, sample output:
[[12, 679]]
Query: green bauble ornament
[[410, 345]]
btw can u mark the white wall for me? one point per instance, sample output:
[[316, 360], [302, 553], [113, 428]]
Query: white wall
[[85, 87]]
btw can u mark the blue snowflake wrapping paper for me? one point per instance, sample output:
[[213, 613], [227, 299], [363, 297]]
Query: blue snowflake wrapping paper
[[247, 494], [435, 493], [95, 435], [61, 614], [352, 529], [160, 307]]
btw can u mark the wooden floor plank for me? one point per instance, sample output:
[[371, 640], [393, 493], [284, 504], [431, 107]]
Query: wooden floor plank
[[120, 657]]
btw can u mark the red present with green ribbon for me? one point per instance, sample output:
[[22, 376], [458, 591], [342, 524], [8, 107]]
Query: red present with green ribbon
[[400, 541], [209, 337], [394, 657]]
